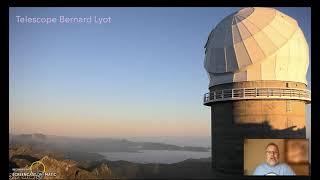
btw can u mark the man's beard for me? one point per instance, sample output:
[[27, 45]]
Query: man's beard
[[272, 161]]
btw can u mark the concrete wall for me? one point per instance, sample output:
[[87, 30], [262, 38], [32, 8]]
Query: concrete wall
[[280, 114], [249, 84], [234, 121]]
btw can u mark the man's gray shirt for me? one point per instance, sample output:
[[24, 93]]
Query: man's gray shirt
[[281, 169]]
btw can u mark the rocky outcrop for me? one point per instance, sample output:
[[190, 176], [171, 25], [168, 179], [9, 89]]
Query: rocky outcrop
[[68, 169], [65, 169], [22, 156]]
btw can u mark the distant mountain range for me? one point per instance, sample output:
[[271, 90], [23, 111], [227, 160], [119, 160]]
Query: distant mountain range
[[94, 144], [74, 158], [86, 167]]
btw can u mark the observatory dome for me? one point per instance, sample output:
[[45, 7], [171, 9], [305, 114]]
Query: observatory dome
[[256, 44]]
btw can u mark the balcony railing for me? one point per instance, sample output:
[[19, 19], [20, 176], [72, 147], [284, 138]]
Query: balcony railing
[[257, 93]]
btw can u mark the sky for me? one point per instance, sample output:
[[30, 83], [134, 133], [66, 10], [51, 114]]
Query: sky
[[141, 74]]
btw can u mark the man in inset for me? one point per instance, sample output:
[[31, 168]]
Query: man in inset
[[272, 165]]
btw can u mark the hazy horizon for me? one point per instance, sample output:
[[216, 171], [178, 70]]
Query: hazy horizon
[[197, 141], [140, 76], [118, 137]]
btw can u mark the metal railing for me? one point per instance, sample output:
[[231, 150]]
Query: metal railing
[[257, 93]]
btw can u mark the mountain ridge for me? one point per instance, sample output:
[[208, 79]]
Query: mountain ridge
[[96, 144]]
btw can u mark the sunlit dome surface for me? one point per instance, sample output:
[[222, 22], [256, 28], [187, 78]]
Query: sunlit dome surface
[[256, 44]]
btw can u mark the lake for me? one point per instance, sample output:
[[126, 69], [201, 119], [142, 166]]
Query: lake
[[155, 156], [198, 141]]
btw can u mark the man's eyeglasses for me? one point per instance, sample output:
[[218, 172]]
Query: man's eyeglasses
[[272, 152]]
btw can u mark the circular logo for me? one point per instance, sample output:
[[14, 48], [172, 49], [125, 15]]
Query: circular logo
[[38, 168]]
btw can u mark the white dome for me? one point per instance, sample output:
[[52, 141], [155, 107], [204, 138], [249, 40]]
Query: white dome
[[256, 44]]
